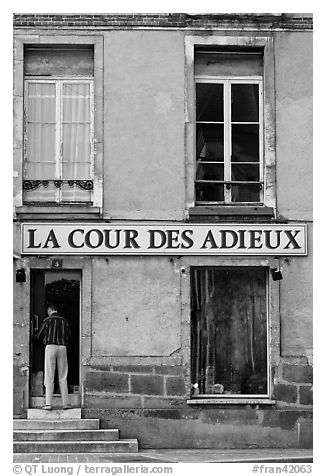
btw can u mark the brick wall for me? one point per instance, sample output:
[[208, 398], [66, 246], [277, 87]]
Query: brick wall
[[165, 20]]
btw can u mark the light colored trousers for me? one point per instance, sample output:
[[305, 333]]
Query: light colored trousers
[[55, 355]]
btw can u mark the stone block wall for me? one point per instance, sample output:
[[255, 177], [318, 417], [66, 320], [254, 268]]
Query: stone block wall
[[148, 402], [293, 384], [133, 386]]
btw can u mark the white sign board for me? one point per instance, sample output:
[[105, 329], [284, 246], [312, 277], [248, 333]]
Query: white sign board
[[168, 239]]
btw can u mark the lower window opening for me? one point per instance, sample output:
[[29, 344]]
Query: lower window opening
[[229, 332]]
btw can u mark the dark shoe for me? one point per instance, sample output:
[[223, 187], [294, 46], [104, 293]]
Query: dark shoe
[[67, 407], [47, 407]]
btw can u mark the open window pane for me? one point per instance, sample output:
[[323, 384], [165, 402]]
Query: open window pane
[[245, 143], [209, 102], [209, 192], [245, 172], [245, 102], [210, 171], [210, 142], [229, 331], [245, 192]]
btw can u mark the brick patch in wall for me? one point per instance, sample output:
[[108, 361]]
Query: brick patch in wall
[[305, 395], [147, 384], [175, 386], [285, 393], [107, 381], [297, 373], [174, 20]]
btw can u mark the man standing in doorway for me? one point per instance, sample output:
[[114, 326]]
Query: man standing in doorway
[[55, 334]]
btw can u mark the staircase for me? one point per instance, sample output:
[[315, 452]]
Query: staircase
[[64, 431]]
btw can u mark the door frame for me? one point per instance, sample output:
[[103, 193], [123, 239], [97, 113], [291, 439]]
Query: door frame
[[84, 266]]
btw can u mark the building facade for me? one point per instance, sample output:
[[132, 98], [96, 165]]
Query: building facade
[[163, 199]]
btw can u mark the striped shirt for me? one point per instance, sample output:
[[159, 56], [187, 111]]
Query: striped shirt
[[55, 330]]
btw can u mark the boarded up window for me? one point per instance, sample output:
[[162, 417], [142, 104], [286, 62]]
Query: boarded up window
[[229, 331]]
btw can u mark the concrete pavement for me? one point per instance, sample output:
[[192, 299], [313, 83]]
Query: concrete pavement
[[162, 456]]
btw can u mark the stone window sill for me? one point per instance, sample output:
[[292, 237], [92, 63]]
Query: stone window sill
[[232, 401], [51, 211], [234, 210]]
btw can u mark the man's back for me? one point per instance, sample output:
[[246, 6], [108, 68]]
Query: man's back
[[55, 330]]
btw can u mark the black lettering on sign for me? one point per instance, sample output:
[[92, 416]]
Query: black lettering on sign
[[268, 239], [255, 241], [173, 236], [108, 243], [160, 234], [51, 239], [187, 239], [31, 243], [209, 239], [292, 240], [71, 237], [99, 238], [223, 238], [131, 236]]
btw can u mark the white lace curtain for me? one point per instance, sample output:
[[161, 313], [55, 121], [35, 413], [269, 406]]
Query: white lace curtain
[[58, 138]]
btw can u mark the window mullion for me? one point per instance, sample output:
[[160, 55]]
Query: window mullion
[[227, 139], [61, 138], [57, 139]]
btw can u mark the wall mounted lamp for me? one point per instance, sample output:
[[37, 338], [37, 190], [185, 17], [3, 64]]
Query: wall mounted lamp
[[276, 274], [20, 275]]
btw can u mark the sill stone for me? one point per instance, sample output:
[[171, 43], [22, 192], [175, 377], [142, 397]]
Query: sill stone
[[231, 210], [50, 211], [234, 401]]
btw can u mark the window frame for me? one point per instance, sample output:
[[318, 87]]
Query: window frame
[[53, 39], [59, 82], [235, 43], [238, 397], [227, 82], [274, 330]]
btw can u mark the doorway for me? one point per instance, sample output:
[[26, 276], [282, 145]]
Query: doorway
[[63, 289]]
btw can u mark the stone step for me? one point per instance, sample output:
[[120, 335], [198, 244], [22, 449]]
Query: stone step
[[121, 446], [39, 402], [66, 435], [62, 424], [55, 414]]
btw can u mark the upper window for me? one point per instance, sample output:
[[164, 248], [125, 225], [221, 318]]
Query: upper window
[[229, 165], [58, 125]]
